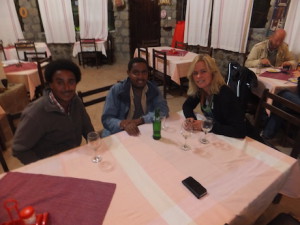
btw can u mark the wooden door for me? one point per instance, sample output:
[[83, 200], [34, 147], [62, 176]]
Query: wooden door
[[144, 22]]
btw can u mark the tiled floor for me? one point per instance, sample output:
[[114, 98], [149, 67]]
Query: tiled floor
[[110, 74]]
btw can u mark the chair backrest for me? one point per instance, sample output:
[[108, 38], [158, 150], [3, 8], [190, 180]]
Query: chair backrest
[[2, 49], [34, 56], [41, 65], [25, 46], [98, 99], [12, 120], [204, 50], [181, 45], [110, 49], [143, 51], [240, 79], [2, 148], [289, 117], [150, 43], [159, 56], [87, 43]]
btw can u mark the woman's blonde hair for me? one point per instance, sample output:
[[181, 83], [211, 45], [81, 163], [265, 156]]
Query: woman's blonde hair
[[217, 78]]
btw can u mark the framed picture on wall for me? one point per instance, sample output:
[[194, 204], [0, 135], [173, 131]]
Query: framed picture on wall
[[279, 15]]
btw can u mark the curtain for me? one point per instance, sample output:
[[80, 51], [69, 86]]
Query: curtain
[[292, 27], [57, 18], [93, 19], [230, 25], [9, 23], [197, 22]]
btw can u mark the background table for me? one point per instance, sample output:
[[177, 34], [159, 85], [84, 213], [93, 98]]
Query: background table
[[274, 85], [177, 67], [100, 45], [241, 176], [29, 77], [11, 52]]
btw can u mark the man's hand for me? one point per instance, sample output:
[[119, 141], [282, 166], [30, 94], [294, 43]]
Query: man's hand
[[131, 126], [265, 62]]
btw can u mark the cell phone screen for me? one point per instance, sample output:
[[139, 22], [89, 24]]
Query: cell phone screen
[[195, 187]]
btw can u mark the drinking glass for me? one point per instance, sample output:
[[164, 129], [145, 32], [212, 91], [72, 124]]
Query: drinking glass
[[93, 140], [164, 125], [186, 132], [207, 125]]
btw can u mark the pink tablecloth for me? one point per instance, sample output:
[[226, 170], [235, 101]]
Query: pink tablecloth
[[68, 201], [17, 68]]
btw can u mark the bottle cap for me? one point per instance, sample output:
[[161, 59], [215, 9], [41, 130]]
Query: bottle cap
[[27, 212]]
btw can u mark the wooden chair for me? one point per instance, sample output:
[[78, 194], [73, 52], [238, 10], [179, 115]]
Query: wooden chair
[[26, 46], [34, 56], [2, 159], [110, 49], [143, 51], [205, 50], [2, 49], [162, 77], [290, 118], [181, 45], [88, 54], [13, 120], [41, 65], [284, 219], [95, 100], [150, 43]]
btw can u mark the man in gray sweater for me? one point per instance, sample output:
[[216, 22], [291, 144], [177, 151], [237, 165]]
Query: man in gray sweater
[[56, 121]]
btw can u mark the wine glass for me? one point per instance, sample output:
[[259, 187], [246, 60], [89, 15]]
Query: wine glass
[[207, 125], [164, 125], [186, 131], [93, 140]]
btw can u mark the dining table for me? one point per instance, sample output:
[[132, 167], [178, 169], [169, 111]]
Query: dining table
[[100, 46], [22, 72], [274, 79], [11, 52], [178, 61], [241, 176]]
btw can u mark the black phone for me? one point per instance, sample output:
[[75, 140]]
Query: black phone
[[195, 187]]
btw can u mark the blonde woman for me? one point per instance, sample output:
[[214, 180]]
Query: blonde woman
[[217, 100]]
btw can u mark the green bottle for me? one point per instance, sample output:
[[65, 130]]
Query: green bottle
[[156, 125]]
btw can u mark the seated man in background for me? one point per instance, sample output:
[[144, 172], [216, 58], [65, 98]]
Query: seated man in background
[[271, 52], [56, 121], [132, 101]]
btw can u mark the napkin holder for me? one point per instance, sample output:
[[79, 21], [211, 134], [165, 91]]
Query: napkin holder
[[11, 205]]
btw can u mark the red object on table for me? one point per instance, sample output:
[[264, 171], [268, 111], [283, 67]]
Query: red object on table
[[278, 76], [17, 68]]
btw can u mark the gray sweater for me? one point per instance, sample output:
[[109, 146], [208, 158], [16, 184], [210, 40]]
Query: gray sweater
[[45, 131]]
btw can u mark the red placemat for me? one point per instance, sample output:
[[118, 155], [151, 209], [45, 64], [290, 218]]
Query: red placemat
[[171, 52], [24, 66], [278, 76], [68, 200]]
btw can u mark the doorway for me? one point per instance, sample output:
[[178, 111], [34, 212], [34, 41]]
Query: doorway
[[144, 22]]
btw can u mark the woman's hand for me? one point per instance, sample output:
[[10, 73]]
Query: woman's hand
[[197, 124]]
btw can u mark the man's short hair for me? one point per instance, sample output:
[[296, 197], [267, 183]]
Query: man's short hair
[[62, 64], [136, 60]]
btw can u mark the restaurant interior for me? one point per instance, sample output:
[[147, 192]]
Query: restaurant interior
[[101, 40]]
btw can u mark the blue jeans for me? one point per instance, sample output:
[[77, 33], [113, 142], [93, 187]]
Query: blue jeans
[[275, 122]]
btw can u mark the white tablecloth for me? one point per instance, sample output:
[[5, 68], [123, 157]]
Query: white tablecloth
[[241, 176], [11, 52], [100, 46], [177, 67]]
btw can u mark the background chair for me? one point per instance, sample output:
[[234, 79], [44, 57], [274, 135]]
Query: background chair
[[41, 65], [13, 119], [2, 49], [87, 94], [34, 56], [88, 54], [160, 57], [284, 219], [181, 45], [143, 51], [288, 117], [26, 46]]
